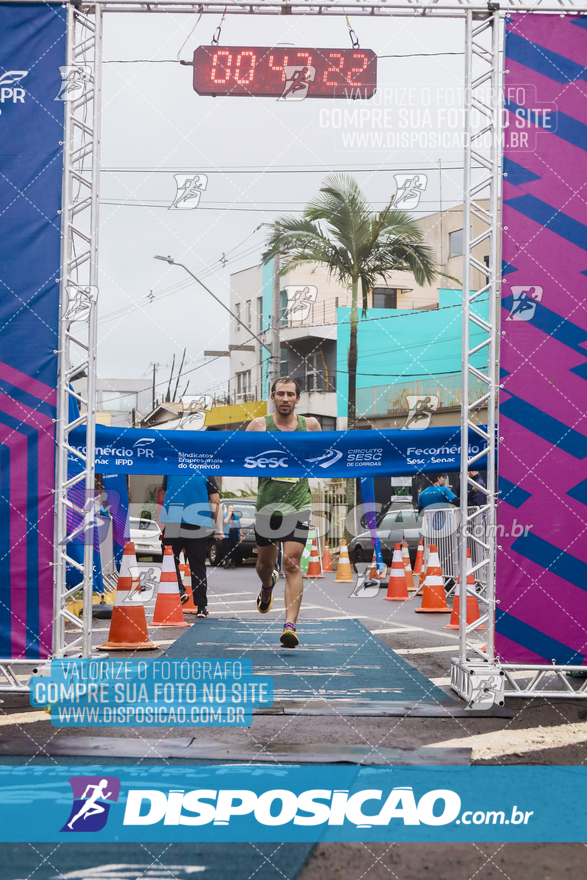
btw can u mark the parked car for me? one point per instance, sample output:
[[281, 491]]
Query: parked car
[[247, 548], [146, 535], [395, 527]]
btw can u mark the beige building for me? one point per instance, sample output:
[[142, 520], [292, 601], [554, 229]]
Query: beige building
[[308, 334]]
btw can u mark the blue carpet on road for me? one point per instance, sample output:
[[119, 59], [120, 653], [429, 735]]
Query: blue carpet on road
[[336, 660], [158, 861]]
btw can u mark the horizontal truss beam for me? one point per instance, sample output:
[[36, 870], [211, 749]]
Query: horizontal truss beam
[[410, 8]]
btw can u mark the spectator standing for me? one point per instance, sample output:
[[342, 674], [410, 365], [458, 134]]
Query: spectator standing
[[191, 514], [437, 494], [232, 531], [475, 497]]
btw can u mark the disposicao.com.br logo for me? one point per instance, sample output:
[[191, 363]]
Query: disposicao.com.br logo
[[90, 808], [364, 809]]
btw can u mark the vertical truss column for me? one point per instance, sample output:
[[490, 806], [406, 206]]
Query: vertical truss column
[[476, 676], [74, 477]]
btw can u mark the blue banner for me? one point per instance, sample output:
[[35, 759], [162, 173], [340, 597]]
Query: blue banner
[[368, 496], [151, 693], [117, 501], [32, 47], [287, 803], [292, 454]]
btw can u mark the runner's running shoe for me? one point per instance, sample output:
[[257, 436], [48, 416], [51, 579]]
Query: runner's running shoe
[[202, 611], [265, 597], [289, 638]]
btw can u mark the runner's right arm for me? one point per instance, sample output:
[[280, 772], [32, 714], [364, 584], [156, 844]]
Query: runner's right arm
[[257, 424]]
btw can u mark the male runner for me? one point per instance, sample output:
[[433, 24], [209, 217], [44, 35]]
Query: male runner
[[289, 524]]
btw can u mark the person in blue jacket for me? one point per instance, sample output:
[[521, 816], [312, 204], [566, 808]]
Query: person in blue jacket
[[437, 494], [191, 514]]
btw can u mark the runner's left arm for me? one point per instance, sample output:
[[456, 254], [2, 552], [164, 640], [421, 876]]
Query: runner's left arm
[[215, 506], [313, 424], [216, 509]]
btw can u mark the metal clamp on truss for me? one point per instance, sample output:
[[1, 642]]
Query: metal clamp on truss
[[482, 685]]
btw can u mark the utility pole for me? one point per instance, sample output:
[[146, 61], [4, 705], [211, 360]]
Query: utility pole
[[275, 368], [154, 382]]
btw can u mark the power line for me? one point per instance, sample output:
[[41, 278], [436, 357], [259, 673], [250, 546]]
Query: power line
[[420, 55], [294, 169], [176, 61], [226, 208], [182, 285]]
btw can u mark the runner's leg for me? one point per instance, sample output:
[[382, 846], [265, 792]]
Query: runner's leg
[[195, 551], [266, 559], [177, 546], [294, 584]]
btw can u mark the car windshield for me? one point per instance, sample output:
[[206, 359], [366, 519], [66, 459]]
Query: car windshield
[[245, 512], [401, 519], [144, 525]]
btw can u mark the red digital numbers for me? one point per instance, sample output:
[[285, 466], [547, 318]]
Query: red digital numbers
[[244, 70], [251, 61], [307, 56], [279, 67], [354, 80], [222, 67], [222, 60], [334, 56]]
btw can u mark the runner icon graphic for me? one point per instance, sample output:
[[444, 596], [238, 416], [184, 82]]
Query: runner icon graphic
[[91, 808]]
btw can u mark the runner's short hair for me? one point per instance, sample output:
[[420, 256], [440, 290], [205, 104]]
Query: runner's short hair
[[287, 379]]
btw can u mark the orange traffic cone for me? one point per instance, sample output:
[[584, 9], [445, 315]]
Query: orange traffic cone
[[189, 606], [128, 626], [418, 565], [314, 568], [326, 559], [374, 574], [433, 597], [168, 611], [344, 574], [408, 567], [473, 613], [397, 590]]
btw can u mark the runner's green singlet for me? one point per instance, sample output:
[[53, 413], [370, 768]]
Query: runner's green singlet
[[291, 490]]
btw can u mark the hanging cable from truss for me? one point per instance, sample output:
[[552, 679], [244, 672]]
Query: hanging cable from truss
[[218, 31], [354, 38]]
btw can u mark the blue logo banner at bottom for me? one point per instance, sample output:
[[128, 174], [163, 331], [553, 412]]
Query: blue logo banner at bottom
[[234, 803]]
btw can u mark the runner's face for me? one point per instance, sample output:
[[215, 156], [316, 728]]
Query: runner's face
[[285, 398]]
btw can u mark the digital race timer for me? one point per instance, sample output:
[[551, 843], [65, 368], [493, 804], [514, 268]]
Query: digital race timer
[[260, 71]]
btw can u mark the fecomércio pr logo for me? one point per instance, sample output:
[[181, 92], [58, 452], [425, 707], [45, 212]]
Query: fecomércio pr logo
[[91, 795]]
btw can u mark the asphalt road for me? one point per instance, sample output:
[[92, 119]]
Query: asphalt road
[[540, 732]]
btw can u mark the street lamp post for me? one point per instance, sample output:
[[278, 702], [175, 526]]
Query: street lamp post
[[173, 262]]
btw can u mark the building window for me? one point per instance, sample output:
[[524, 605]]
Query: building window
[[119, 401], [283, 316], [284, 361], [312, 371], [259, 314], [243, 382], [249, 314], [327, 423], [237, 311], [456, 243], [385, 297]]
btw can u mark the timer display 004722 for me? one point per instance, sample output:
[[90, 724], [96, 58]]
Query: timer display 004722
[[260, 71]]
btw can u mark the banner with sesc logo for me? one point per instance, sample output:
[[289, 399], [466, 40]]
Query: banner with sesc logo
[[291, 454]]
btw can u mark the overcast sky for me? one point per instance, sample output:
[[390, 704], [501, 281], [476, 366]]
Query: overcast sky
[[155, 125]]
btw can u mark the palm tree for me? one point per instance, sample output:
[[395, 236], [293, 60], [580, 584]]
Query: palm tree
[[340, 229]]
